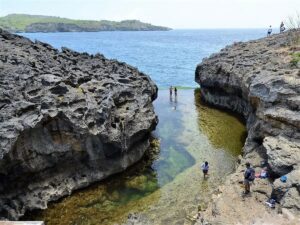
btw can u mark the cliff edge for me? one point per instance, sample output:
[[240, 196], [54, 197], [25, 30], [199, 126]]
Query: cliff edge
[[67, 119], [259, 79]]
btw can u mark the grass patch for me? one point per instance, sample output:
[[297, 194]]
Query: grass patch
[[295, 58]]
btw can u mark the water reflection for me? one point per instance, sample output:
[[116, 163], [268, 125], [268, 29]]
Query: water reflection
[[173, 101], [174, 158], [222, 129]]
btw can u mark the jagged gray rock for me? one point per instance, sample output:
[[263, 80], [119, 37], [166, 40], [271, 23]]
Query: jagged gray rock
[[67, 119], [282, 154], [257, 80]]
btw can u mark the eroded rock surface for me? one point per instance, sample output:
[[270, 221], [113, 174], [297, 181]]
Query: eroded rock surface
[[67, 119], [257, 80]]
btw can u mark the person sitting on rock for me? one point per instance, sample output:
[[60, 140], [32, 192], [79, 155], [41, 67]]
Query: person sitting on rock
[[249, 176], [264, 173]]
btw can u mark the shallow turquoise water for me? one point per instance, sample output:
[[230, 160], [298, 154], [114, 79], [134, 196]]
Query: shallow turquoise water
[[168, 180]]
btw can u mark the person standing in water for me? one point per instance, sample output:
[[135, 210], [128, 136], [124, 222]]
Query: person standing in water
[[171, 90], [175, 91], [205, 168]]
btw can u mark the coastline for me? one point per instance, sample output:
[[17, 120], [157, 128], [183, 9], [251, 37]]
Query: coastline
[[228, 81], [261, 192]]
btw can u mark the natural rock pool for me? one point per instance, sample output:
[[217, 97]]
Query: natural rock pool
[[167, 185]]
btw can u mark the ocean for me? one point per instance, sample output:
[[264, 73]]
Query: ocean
[[168, 57]]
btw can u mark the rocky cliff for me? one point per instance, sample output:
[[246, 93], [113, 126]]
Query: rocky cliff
[[259, 80], [67, 119]]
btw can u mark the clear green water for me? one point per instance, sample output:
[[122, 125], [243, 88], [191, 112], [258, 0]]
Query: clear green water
[[167, 185]]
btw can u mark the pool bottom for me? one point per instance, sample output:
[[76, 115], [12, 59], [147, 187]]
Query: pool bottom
[[167, 185]]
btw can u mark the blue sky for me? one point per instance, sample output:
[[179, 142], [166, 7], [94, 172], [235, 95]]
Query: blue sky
[[172, 13]]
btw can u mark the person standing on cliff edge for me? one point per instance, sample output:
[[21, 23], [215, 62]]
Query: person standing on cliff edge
[[269, 31], [282, 28]]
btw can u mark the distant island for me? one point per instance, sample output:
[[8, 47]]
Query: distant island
[[24, 23]]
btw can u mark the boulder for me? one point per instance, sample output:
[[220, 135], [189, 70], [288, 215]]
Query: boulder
[[283, 154], [67, 119]]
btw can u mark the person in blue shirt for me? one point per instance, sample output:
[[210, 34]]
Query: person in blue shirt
[[249, 176]]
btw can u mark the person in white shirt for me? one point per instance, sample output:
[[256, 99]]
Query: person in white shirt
[[269, 31], [205, 168]]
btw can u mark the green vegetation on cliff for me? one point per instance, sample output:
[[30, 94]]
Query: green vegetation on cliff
[[35, 23], [295, 58]]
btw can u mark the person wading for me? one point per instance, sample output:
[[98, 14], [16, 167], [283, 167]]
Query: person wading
[[249, 176], [205, 168], [171, 90]]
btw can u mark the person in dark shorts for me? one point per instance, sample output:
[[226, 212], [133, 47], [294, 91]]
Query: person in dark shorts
[[269, 31], [175, 91], [171, 90], [249, 176], [205, 168]]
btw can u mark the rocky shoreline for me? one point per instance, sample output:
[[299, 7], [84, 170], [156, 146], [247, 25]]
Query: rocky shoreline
[[68, 119], [258, 80]]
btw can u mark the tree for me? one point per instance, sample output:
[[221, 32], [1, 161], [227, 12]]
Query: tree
[[293, 22]]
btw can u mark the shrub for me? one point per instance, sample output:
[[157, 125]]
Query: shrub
[[295, 58]]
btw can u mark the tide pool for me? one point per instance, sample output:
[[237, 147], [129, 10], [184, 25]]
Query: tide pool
[[167, 185]]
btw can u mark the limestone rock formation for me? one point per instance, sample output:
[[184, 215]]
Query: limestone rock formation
[[67, 119], [258, 80]]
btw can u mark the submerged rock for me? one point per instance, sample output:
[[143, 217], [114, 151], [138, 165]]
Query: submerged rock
[[258, 80], [67, 119]]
